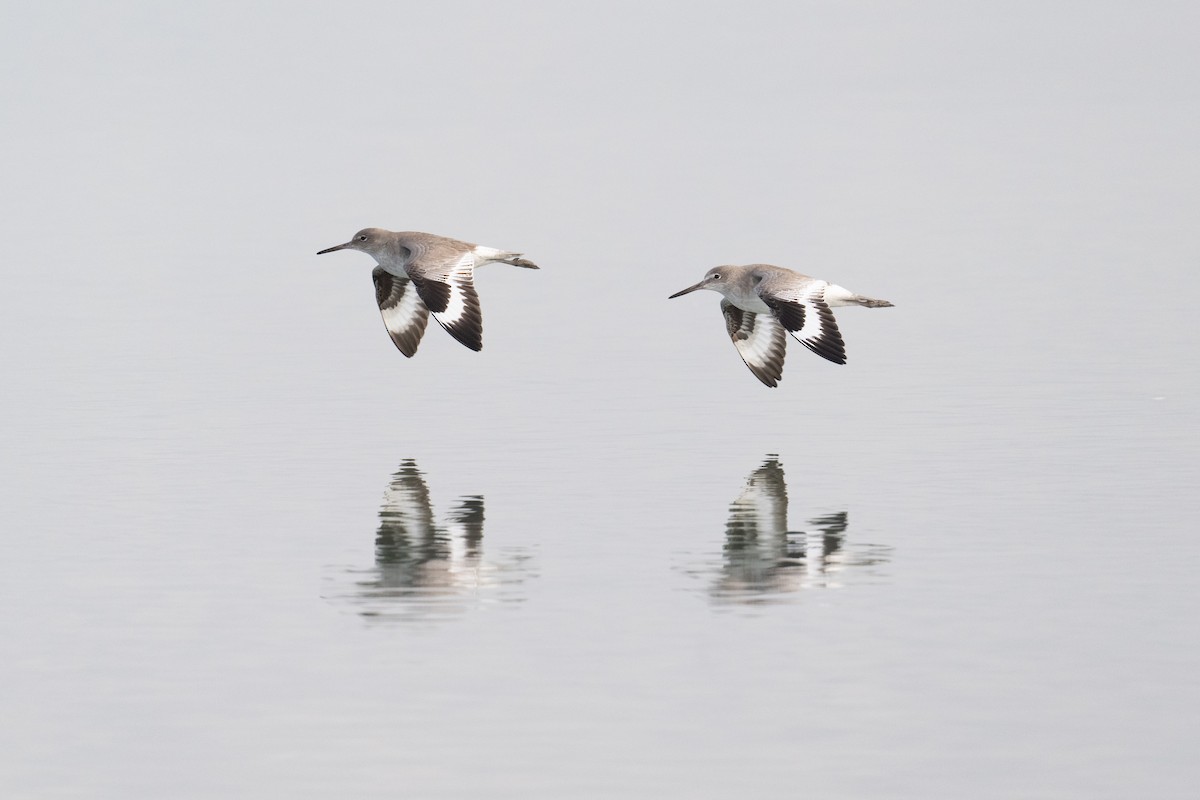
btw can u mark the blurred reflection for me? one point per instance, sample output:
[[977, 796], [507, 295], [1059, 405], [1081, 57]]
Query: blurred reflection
[[763, 559], [425, 570]]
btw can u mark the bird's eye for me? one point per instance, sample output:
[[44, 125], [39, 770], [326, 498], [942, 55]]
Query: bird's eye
[[716, 276], [362, 238]]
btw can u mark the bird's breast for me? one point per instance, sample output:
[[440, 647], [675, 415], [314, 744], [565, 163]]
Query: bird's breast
[[393, 268], [747, 301]]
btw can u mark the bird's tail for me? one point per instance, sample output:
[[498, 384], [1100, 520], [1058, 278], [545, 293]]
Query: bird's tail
[[516, 260], [871, 302], [504, 256], [840, 296]]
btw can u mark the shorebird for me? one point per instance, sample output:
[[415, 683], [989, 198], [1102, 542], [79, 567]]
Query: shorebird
[[761, 302], [440, 269]]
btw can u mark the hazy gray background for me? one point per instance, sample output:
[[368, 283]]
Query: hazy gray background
[[201, 417]]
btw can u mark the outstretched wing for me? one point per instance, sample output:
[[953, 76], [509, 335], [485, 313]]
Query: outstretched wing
[[807, 317], [444, 278], [759, 340], [404, 314]]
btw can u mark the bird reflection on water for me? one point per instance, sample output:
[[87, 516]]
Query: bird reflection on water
[[423, 569], [763, 561]]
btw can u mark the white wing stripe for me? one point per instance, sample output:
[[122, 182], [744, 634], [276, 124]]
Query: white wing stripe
[[400, 317], [760, 341], [456, 306]]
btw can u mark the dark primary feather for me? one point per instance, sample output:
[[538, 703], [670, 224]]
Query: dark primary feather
[[791, 315], [434, 293], [404, 315], [760, 341], [828, 344], [467, 328], [794, 315]]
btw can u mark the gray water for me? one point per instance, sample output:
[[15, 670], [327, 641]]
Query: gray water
[[250, 550]]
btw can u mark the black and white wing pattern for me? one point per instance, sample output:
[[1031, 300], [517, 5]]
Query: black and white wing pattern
[[807, 317], [760, 512], [444, 277], [404, 314], [759, 340], [406, 518]]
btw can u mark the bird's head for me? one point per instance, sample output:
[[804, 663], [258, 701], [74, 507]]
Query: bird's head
[[716, 279], [372, 241]]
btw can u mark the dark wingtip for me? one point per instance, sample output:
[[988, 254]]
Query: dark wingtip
[[407, 349], [824, 351], [768, 380], [469, 336]]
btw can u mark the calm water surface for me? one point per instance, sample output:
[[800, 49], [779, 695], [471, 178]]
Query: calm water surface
[[986, 589]]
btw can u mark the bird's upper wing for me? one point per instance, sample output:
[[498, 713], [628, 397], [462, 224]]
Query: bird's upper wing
[[759, 340], [803, 311], [404, 314], [443, 272]]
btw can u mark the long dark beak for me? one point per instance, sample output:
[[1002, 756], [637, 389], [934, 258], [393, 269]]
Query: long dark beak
[[699, 285], [331, 249]]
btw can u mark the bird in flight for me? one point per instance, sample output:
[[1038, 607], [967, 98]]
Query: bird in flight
[[760, 302], [418, 274]]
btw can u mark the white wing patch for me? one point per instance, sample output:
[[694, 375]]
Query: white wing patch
[[759, 340], [807, 317], [820, 333], [404, 314], [456, 306], [448, 290], [462, 317]]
